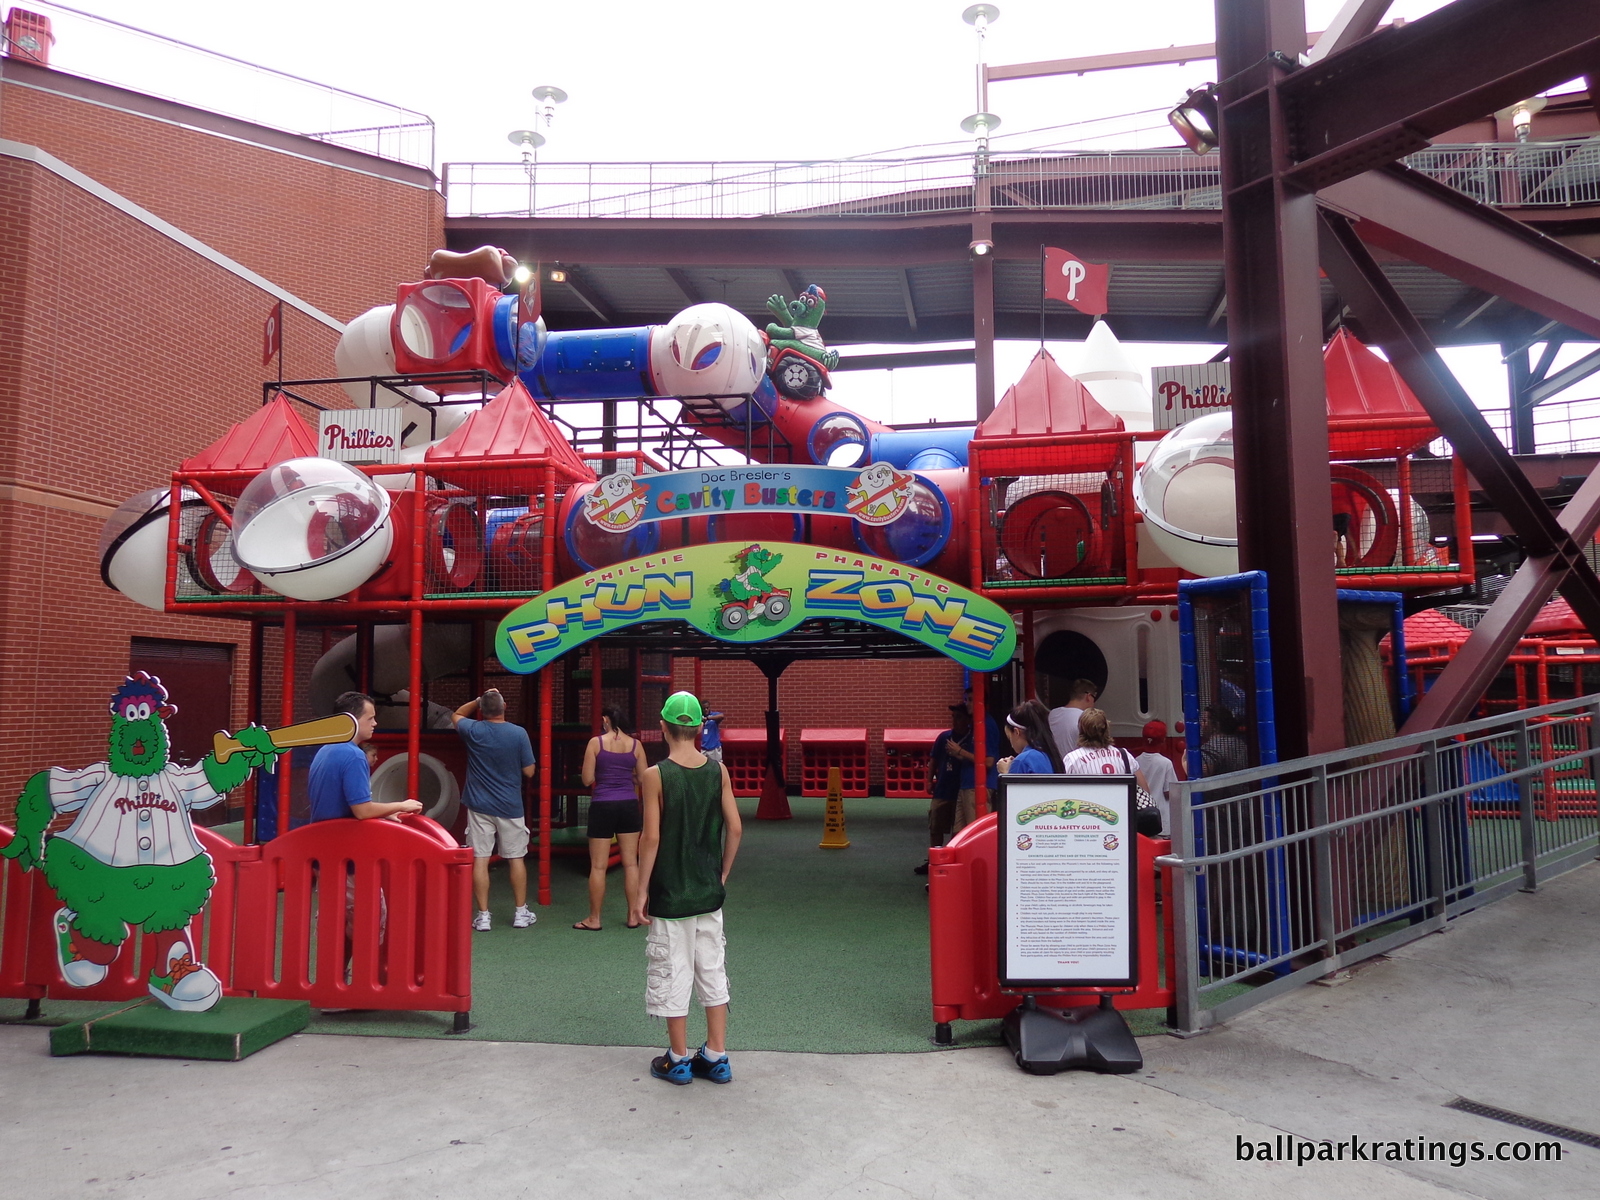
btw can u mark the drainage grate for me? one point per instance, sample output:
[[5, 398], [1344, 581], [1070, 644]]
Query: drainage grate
[[1510, 1118]]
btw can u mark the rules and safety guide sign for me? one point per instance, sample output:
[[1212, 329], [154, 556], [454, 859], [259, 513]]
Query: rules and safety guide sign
[[1067, 911]]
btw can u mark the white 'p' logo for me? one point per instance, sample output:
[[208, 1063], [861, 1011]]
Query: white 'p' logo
[[1074, 271]]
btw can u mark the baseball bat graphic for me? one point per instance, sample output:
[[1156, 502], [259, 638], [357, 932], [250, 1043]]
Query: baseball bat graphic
[[341, 727]]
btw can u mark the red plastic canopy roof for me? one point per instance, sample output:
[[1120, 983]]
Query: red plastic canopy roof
[[272, 434], [1370, 408], [1047, 400], [510, 426], [1557, 617], [1432, 628]]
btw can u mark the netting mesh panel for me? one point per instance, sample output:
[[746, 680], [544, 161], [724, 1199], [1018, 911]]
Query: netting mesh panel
[[1225, 670]]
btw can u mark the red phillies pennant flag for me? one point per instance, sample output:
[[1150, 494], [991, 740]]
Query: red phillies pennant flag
[[272, 334], [1070, 279]]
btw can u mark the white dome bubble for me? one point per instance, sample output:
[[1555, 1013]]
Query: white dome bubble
[[312, 528], [1185, 491]]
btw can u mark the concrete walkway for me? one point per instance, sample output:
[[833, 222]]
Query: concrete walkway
[[1500, 1009]]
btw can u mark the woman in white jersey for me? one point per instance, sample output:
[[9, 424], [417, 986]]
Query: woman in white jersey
[[1097, 754]]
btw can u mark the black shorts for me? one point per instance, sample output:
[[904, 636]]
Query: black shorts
[[607, 818]]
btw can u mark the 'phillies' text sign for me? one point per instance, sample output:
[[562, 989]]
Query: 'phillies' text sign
[[359, 435], [1180, 394]]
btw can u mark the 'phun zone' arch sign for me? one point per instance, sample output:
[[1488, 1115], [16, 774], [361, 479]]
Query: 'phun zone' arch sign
[[756, 593]]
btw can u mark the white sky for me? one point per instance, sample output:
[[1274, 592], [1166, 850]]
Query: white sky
[[655, 80]]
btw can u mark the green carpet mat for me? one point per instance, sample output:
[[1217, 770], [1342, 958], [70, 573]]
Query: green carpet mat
[[827, 952]]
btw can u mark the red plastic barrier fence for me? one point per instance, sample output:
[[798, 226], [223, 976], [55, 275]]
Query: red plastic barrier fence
[[28, 965], [374, 914], [964, 932], [16, 910], [908, 762], [744, 753], [416, 955], [822, 749]]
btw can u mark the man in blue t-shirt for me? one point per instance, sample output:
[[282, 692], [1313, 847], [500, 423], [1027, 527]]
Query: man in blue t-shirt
[[339, 783], [499, 758], [711, 736]]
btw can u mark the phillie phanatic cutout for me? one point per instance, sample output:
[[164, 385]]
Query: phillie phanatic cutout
[[131, 856]]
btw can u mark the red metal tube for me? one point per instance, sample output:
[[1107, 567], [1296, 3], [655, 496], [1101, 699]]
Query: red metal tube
[[174, 509], [1466, 554], [414, 708], [286, 717], [1027, 654], [980, 773], [252, 714], [546, 768], [1408, 549]]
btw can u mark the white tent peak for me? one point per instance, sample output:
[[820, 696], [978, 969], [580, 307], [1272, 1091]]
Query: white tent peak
[[1116, 384]]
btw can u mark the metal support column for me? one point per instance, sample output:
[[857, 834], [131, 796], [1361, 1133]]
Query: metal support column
[[1275, 341]]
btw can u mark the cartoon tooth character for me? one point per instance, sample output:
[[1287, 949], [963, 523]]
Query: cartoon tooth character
[[617, 502], [131, 856], [879, 494]]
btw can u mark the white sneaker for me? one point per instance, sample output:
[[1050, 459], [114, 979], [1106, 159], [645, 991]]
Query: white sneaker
[[523, 917], [187, 986], [78, 972], [480, 923]]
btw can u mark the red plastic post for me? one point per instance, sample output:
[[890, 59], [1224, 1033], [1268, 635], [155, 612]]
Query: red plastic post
[[286, 713], [980, 773], [547, 574]]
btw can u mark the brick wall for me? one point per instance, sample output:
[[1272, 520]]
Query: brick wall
[[335, 237], [903, 693], [126, 352]]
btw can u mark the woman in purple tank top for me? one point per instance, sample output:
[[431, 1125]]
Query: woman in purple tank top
[[612, 766]]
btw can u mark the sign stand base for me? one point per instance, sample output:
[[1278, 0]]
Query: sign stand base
[[1046, 1041]]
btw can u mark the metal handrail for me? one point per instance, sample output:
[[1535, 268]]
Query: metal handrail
[[1290, 871], [1548, 174], [1369, 751]]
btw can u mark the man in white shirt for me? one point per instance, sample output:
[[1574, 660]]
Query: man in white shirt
[[1064, 720]]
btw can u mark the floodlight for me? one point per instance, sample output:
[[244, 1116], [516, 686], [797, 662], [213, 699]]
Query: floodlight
[[1195, 119], [981, 248]]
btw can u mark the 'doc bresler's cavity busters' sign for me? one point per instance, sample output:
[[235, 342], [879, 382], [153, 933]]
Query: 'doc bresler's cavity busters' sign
[[1067, 914], [874, 495], [755, 593]]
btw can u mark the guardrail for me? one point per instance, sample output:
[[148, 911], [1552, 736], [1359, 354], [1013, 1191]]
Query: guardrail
[[1529, 174], [1290, 872]]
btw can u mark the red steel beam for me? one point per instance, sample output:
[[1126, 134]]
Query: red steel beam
[[1386, 95], [1404, 212], [1459, 686], [1275, 340], [1555, 545]]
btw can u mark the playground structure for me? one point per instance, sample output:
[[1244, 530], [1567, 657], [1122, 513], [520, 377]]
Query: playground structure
[[508, 465]]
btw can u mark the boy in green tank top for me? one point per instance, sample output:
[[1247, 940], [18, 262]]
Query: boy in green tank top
[[691, 834]]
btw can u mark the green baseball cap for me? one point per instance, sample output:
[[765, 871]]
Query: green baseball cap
[[682, 708]]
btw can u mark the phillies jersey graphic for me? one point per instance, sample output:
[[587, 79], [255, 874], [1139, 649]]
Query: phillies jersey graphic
[[125, 821]]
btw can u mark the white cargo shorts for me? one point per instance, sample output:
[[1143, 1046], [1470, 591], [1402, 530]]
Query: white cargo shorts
[[689, 951]]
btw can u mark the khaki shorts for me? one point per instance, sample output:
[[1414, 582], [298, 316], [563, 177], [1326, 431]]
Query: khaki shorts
[[483, 831], [681, 953]]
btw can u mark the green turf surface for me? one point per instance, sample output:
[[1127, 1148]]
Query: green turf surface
[[827, 952]]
